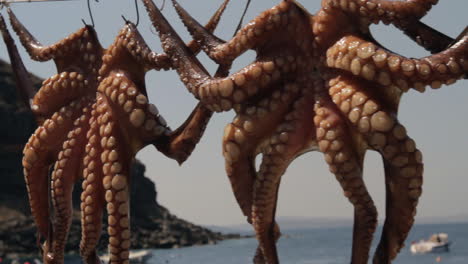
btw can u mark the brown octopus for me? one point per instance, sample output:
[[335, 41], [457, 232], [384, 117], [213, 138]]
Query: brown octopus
[[93, 117], [319, 82]]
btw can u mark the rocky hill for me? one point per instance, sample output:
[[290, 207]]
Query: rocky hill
[[153, 226]]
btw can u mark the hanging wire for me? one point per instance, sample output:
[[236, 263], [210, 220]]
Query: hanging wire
[[7, 2], [137, 15], [242, 17], [90, 13], [3, 2], [137, 12], [163, 5]]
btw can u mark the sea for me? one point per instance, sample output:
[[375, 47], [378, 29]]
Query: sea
[[318, 245], [330, 245]]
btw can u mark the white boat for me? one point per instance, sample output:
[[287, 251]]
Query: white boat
[[136, 257], [435, 244]]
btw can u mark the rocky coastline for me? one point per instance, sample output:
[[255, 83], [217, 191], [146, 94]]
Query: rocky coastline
[[153, 226]]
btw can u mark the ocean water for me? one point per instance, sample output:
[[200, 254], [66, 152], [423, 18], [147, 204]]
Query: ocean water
[[330, 245], [318, 246]]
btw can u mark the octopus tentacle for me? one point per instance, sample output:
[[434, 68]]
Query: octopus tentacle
[[193, 45], [197, 30], [77, 58], [142, 117], [254, 34], [426, 36], [65, 174], [239, 152], [23, 81], [181, 142], [347, 165], [403, 162], [291, 138], [219, 94], [38, 152], [162, 60], [131, 39], [116, 159], [127, 122], [259, 258], [403, 176], [384, 10], [373, 63], [58, 90], [241, 141], [39, 52], [92, 196], [139, 116], [241, 138], [111, 144]]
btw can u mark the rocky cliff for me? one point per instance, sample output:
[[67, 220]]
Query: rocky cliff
[[153, 226]]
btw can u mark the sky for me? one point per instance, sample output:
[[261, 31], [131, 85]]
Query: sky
[[199, 190]]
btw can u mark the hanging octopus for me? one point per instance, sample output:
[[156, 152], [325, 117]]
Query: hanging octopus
[[62, 108], [93, 117], [320, 82]]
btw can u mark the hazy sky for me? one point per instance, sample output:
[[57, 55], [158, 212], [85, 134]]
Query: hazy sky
[[199, 191]]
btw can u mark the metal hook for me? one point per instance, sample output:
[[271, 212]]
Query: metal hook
[[242, 17], [90, 13], [163, 4], [125, 19], [137, 14]]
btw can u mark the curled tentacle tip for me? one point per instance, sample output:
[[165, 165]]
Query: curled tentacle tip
[[181, 159]]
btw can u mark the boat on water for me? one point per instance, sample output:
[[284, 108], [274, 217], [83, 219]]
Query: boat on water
[[435, 244], [136, 257]]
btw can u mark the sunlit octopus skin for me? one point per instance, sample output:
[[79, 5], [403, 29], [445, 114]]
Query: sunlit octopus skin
[[324, 68], [74, 134]]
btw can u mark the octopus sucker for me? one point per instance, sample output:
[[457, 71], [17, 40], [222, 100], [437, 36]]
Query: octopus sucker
[[41, 148], [346, 162], [281, 148], [116, 186], [66, 173], [93, 193], [354, 83], [241, 146], [432, 70], [389, 137], [57, 90]]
